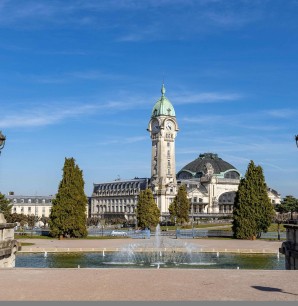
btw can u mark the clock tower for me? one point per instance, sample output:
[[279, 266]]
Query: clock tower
[[163, 129]]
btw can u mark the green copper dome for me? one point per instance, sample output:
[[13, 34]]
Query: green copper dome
[[163, 106]]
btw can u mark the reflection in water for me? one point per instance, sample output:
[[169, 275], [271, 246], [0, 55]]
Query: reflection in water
[[145, 260]]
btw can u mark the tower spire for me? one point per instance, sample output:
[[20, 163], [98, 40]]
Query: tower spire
[[163, 89]]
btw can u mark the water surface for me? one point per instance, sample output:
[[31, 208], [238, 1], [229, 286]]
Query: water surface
[[151, 260]]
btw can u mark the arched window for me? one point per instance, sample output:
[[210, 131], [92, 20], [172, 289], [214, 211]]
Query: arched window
[[232, 175]]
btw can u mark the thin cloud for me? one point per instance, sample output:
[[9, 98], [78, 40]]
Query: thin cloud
[[203, 119], [72, 76], [260, 121], [43, 116], [261, 127], [206, 97], [184, 17], [128, 140], [283, 113]]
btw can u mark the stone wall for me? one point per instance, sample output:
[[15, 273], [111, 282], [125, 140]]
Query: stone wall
[[8, 245], [290, 247]]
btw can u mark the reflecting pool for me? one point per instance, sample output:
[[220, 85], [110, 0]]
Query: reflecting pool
[[151, 260]]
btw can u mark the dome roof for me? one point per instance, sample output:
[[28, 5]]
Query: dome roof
[[198, 165], [163, 106]]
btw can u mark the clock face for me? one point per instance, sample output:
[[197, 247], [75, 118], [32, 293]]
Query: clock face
[[155, 127], [169, 125]]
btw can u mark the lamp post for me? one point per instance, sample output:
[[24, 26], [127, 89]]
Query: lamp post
[[2, 141], [296, 138]]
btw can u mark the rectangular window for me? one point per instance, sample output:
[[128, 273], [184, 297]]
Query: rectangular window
[[29, 210]]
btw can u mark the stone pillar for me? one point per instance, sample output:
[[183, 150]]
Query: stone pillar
[[290, 247], [8, 245]]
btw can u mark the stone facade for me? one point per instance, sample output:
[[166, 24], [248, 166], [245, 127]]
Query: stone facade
[[39, 206], [290, 247], [211, 182], [117, 199], [163, 130], [8, 245], [212, 196]]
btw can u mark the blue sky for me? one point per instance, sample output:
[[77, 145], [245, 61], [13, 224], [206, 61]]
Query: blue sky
[[79, 79]]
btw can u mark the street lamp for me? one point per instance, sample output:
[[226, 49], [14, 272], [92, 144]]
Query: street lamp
[[2, 141], [296, 138]]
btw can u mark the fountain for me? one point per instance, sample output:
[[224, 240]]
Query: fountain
[[156, 253], [161, 251]]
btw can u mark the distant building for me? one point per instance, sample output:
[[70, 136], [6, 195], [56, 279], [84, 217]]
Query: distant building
[[117, 199], [212, 184], [210, 181], [274, 196], [39, 206]]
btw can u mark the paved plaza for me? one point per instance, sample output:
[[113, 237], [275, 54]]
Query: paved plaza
[[31, 284]]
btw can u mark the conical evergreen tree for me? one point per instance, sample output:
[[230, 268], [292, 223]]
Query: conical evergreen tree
[[179, 208], [253, 211], [147, 211], [264, 210], [68, 214]]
